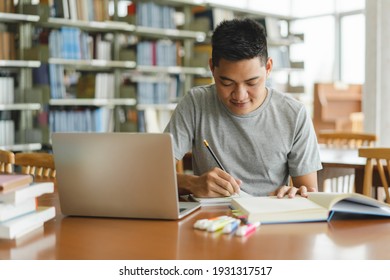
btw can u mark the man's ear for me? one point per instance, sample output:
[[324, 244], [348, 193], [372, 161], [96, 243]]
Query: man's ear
[[211, 64], [269, 65]]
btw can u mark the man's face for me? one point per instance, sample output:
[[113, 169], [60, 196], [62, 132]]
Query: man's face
[[241, 84]]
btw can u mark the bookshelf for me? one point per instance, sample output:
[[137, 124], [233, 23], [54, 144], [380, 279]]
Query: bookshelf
[[18, 112], [127, 67], [108, 82]]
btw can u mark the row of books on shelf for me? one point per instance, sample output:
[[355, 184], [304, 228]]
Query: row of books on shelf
[[83, 120], [207, 19], [7, 6], [156, 93], [151, 14], [201, 55], [100, 85], [85, 47], [152, 120], [7, 43], [150, 90], [7, 90], [72, 43], [19, 212], [88, 10], [56, 79], [160, 53], [7, 132]]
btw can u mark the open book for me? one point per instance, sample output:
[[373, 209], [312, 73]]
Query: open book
[[318, 206]]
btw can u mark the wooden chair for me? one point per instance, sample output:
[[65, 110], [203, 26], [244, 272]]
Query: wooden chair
[[185, 164], [345, 181], [346, 139], [7, 160], [179, 166], [382, 158], [38, 164]]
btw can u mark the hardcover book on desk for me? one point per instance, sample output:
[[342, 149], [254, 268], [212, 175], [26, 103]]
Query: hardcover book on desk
[[317, 207], [11, 181], [19, 213]]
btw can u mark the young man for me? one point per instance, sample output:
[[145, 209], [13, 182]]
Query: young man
[[260, 136]]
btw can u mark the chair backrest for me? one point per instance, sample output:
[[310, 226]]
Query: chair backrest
[[185, 164], [357, 119], [7, 160], [382, 158], [38, 164], [347, 139]]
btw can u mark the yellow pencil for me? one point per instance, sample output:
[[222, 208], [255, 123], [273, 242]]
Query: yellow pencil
[[214, 156]]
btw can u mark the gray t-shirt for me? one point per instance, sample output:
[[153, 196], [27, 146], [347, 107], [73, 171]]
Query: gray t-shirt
[[261, 148]]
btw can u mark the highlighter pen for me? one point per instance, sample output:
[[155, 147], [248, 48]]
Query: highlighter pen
[[214, 156], [229, 228], [247, 229], [204, 223], [220, 224]]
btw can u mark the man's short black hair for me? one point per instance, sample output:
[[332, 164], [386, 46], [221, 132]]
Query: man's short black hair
[[239, 39]]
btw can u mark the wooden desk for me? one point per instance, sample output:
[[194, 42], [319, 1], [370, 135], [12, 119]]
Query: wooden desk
[[103, 238]]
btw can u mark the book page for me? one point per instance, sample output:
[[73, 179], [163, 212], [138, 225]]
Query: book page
[[328, 200]]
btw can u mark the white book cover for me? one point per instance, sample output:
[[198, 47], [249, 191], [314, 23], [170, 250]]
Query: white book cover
[[9, 211], [19, 195], [22, 225]]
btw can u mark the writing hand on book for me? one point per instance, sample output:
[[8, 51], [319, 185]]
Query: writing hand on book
[[216, 183]]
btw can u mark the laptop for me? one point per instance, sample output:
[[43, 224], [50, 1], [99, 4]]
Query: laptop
[[121, 175]]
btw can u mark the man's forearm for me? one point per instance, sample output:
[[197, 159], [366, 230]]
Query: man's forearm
[[185, 183]]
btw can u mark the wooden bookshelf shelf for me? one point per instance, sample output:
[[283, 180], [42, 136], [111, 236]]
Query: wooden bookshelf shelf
[[20, 63], [22, 147], [286, 69], [174, 70], [244, 11], [90, 26], [20, 107], [284, 41], [17, 18], [167, 107], [170, 33], [94, 64], [93, 102]]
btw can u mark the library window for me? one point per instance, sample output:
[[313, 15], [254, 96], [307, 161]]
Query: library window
[[352, 49]]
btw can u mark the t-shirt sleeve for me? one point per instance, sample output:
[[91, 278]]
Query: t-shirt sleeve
[[304, 157], [181, 126]]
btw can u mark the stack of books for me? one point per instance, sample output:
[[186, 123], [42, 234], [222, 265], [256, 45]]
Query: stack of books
[[19, 212]]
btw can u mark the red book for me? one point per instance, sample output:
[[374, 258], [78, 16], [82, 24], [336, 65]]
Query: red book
[[12, 181]]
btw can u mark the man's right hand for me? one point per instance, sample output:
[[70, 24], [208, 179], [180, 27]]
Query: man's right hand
[[214, 183]]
